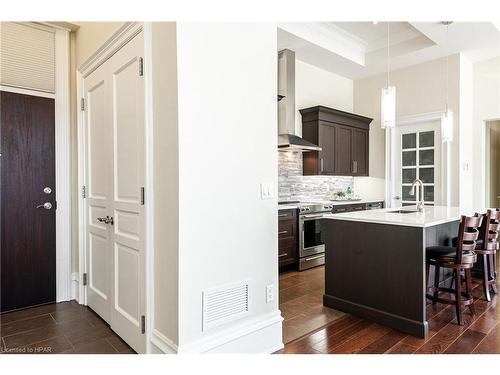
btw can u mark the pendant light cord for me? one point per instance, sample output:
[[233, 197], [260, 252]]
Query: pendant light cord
[[447, 67], [388, 53]]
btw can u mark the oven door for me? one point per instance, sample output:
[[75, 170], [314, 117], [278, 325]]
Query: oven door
[[311, 235]]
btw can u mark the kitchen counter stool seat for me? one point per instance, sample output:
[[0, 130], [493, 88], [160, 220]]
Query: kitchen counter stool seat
[[458, 259]]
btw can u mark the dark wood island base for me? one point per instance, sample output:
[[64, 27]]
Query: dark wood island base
[[377, 271]]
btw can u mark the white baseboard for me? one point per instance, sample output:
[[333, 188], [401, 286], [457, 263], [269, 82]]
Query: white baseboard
[[74, 286], [162, 343], [262, 334]]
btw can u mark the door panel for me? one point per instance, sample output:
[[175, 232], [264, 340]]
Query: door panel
[[115, 174], [99, 168], [326, 138], [128, 165], [28, 234], [360, 152], [343, 139]]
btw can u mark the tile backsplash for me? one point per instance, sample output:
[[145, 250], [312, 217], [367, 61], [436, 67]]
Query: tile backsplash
[[292, 185]]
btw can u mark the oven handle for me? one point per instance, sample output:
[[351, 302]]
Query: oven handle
[[306, 217]]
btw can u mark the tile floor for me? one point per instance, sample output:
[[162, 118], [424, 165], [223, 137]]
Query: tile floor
[[58, 328]]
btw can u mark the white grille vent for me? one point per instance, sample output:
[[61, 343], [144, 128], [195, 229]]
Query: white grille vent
[[224, 304]]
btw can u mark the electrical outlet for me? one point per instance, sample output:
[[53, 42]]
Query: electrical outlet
[[269, 293], [266, 190]]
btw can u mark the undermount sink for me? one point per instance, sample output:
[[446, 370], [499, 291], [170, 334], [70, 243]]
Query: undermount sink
[[402, 212]]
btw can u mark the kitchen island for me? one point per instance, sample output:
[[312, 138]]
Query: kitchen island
[[375, 262]]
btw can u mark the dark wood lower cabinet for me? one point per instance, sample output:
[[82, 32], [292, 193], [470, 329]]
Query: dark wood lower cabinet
[[288, 238]]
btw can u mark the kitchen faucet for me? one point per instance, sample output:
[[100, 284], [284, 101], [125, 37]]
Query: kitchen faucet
[[420, 203]]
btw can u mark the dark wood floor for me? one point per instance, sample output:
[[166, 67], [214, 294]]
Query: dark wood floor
[[58, 328], [350, 334], [301, 303]]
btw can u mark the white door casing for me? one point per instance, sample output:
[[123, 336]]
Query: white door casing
[[115, 179]]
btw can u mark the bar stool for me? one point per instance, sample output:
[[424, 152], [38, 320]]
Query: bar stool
[[458, 259], [487, 247]]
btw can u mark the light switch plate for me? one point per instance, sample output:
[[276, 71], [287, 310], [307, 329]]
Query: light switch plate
[[266, 190]]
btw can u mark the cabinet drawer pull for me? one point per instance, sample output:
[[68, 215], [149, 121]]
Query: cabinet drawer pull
[[283, 232], [321, 162], [282, 255], [282, 215]]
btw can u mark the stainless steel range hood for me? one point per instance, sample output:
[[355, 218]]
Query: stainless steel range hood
[[288, 140]]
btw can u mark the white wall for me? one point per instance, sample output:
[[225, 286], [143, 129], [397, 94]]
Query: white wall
[[315, 86], [166, 184], [90, 36], [419, 89], [486, 107], [466, 134], [227, 80]]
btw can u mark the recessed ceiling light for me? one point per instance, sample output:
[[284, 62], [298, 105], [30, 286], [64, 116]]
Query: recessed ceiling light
[[375, 22]]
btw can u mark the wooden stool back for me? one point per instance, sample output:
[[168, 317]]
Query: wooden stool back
[[468, 234]]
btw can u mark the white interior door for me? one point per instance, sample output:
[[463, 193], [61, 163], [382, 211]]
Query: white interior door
[[115, 153], [417, 155], [99, 191], [127, 94]]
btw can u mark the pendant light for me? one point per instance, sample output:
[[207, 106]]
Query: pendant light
[[447, 116], [388, 100]]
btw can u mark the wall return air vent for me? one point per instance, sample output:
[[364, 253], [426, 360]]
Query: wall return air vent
[[225, 303]]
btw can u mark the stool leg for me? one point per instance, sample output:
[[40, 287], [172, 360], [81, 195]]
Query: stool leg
[[468, 288], [436, 284], [458, 296], [492, 273], [486, 287]]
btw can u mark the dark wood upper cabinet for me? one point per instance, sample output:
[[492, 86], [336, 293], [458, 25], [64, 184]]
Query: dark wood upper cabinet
[[343, 137], [360, 152]]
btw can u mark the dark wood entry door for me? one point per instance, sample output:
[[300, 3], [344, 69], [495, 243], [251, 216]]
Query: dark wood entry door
[[28, 233]]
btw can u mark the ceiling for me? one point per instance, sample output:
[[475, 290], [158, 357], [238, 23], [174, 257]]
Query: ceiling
[[360, 49]]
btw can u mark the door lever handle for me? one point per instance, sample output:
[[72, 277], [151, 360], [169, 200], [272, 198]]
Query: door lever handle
[[46, 205], [106, 220]]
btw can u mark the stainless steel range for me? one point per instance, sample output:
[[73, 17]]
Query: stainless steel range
[[311, 243]]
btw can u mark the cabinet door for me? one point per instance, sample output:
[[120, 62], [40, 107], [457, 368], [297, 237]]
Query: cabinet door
[[359, 152], [343, 146], [326, 137]]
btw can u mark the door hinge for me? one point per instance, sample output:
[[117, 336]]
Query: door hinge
[[142, 196], [143, 324], [84, 279], [84, 191], [141, 66], [82, 104]]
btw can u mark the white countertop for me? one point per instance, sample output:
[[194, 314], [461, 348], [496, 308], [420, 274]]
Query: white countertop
[[431, 216]]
